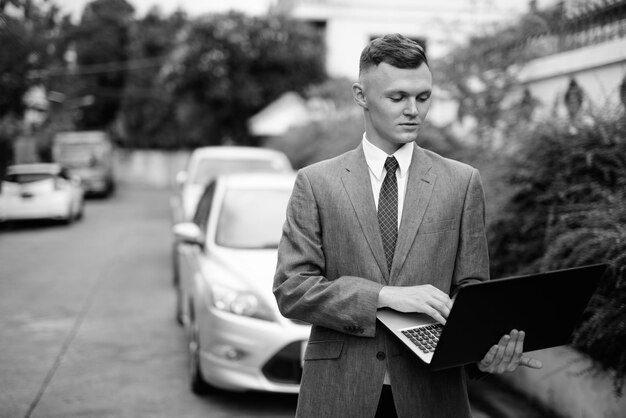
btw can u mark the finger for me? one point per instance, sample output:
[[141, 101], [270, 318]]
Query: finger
[[486, 362], [500, 353], [433, 313], [530, 362], [439, 299], [509, 350], [501, 361], [442, 308], [519, 345], [439, 318], [430, 311], [513, 352], [439, 294], [504, 340]]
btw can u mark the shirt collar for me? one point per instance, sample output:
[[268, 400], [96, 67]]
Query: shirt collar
[[375, 158]]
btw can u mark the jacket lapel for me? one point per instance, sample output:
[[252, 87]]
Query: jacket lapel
[[418, 191], [356, 181]]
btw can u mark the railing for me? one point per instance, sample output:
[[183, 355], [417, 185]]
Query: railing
[[564, 27]]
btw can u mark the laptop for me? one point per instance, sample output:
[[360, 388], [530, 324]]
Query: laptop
[[547, 306]]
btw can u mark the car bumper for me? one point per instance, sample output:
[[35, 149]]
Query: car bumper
[[49, 207], [240, 353]]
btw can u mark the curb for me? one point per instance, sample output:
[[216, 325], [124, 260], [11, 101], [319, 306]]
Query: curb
[[569, 385]]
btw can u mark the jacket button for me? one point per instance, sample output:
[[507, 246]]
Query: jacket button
[[380, 356]]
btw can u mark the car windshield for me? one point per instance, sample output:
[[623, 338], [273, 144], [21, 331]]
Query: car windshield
[[28, 177], [208, 169], [252, 219]]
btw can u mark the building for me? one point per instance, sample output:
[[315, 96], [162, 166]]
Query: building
[[581, 58], [582, 48], [348, 25]]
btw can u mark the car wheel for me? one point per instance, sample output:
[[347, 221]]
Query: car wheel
[[199, 386]]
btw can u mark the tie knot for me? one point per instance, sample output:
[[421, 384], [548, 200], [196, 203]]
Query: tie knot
[[391, 164]]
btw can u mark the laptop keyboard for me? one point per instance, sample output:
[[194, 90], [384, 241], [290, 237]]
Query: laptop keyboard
[[424, 337]]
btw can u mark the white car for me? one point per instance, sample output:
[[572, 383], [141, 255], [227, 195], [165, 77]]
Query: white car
[[206, 163], [238, 340], [40, 191]]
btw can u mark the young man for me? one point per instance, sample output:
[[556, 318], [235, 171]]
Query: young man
[[387, 224]]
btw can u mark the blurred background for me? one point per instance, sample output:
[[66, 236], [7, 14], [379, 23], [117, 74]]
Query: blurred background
[[123, 96]]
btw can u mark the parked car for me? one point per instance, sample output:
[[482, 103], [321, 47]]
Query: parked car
[[40, 191], [89, 155], [238, 340], [206, 163]]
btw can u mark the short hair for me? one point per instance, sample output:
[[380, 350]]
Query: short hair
[[393, 49]]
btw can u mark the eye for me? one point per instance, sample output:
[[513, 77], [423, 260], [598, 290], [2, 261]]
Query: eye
[[396, 98], [423, 98]]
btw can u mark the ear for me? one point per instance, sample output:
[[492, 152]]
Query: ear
[[359, 95]]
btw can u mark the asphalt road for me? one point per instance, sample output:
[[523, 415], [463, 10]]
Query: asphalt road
[[87, 323]]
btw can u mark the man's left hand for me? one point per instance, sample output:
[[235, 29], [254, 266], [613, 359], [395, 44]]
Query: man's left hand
[[506, 356]]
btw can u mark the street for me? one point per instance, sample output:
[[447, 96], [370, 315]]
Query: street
[[87, 324]]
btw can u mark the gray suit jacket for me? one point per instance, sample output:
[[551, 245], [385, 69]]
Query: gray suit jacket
[[331, 267]]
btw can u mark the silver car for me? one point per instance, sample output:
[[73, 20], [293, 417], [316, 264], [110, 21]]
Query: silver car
[[206, 163], [227, 254]]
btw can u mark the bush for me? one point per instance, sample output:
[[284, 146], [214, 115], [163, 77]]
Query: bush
[[320, 140], [568, 208]]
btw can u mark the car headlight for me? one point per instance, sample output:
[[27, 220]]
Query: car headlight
[[240, 303]]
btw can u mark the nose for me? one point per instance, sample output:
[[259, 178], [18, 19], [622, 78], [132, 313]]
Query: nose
[[411, 108]]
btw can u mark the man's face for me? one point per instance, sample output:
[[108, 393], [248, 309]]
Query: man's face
[[396, 102]]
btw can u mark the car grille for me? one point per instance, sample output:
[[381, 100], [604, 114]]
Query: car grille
[[285, 366]]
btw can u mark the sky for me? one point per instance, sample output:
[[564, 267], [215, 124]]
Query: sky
[[193, 7]]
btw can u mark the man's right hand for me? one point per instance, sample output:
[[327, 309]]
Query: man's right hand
[[424, 299]]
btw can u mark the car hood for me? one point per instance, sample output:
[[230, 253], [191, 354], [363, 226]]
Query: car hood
[[247, 269]]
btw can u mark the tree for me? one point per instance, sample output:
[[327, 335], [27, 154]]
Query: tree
[[28, 35], [101, 41], [482, 76], [147, 116], [568, 208], [228, 66], [27, 28]]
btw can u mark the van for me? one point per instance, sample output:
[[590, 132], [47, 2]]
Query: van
[[89, 155]]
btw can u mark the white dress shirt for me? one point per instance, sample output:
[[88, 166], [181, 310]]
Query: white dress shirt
[[375, 158]]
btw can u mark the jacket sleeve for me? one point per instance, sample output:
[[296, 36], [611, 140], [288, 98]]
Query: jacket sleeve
[[472, 261], [472, 256], [348, 303]]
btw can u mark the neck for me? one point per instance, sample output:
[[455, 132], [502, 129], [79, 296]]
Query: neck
[[387, 147]]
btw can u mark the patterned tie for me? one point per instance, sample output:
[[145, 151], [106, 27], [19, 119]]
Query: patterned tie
[[388, 210]]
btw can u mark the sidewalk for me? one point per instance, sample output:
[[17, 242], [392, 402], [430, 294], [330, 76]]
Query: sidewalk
[[568, 385]]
